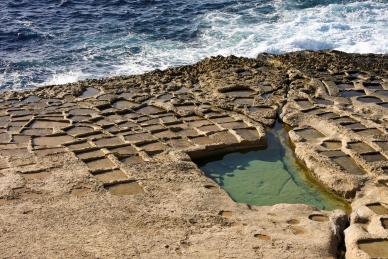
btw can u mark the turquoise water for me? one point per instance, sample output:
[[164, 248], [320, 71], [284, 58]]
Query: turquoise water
[[269, 176]]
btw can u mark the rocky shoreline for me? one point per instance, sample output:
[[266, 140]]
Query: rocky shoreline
[[103, 168]]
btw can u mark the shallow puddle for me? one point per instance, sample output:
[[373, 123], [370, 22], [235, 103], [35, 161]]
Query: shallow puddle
[[112, 129], [360, 147], [384, 93], [356, 125], [269, 176], [378, 209], [43, 152], [107, 97], [376, 248], [153, 148], [188, 132], [305, 104], [138, 137], [31, 99], [345, 86], [5, 137], [223, 119], [265, 88], [90, 154], [328, 115], [124, 189], [169, 119], [82, 111], [209, 128], [13, 152], [131, 160], [20, 139], [239, 93], [373, 157], [369, 100], [349, 94], [332, 144], [150, 110], [179, 143], [78, 145], [323, 101], [202, 140], [198, 123], [369, 132], [78, 118], [128, 124], [52, 140], [124, 104], [383, 145], [37, 175], [108, 141], [234, 125], [109, 176], [372, 86], [100, 163], [248, 134], [165, 97], [309, 133], [44, 124], [187, 108], [79, 130], [156, 127], [349, 165], [123, 151], [149, 122], [166, 134], [332, 153], [90, 92]]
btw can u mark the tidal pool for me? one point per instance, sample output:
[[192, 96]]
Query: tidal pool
[[269, 176]]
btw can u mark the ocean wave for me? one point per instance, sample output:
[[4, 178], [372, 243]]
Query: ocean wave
[[76, 40]]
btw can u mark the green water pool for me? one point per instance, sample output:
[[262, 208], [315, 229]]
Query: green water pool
[[269, 176]]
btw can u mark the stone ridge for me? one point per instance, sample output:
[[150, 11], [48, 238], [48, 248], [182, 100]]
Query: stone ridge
[[103, 167]]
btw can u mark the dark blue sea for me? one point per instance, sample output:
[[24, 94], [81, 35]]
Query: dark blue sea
[[46, 42]]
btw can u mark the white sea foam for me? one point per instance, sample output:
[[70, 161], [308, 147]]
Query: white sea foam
[[64, 78], [359, 27]]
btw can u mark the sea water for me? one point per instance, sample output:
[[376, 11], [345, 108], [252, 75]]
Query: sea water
[[270, 176], [62, 41]]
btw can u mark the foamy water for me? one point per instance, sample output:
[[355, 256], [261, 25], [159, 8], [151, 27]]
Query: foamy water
[[75, 41]]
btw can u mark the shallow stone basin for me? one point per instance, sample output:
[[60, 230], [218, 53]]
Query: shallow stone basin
[[239, 93], [268, 176]]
